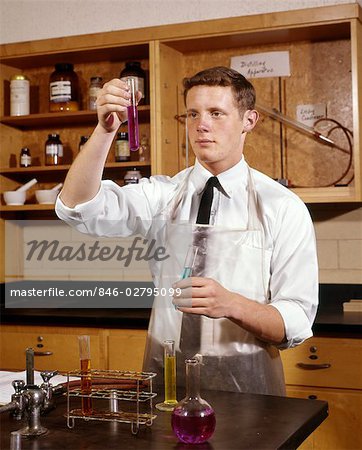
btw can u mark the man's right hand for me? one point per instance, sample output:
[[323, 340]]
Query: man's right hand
[[112, 102], [84, 177]]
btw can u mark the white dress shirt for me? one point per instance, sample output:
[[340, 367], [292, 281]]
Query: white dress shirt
[[289, 232]]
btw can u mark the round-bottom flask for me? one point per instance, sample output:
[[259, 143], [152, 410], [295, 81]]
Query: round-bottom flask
[[193, 419]]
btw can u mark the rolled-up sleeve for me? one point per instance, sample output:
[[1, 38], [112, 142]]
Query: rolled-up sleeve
[[294, 271], [87, 209], [117, 211]]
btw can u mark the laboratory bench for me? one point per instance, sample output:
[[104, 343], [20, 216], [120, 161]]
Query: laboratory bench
[[118, 338], [243, 421]]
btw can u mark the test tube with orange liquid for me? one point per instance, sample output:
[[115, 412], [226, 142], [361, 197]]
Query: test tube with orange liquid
[[85, 367]]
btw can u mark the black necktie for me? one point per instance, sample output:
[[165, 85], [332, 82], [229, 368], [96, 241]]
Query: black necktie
[[203, 216]]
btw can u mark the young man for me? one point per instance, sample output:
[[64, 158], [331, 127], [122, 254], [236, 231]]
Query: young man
[[254, 287]]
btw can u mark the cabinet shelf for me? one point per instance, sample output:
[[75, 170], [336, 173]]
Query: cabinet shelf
[[328, 194], [44, 172], [76, 118], [27, 207], [21, 171]]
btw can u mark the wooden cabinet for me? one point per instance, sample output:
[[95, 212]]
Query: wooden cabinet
[[329, 369], [37, 63], [324, 46], [126, 349], [323, 43], [340, 430], [57, 347]]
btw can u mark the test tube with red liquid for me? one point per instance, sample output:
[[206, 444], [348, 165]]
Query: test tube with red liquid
[[86, 380], [132, 111]]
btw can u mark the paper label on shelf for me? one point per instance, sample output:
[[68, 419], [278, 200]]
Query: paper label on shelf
[[308, 114], [262, 65]]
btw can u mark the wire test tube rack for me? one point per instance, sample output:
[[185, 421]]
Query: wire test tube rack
[[111, 389]]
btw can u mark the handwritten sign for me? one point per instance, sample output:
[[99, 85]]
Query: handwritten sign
[[262, 65], [308, 114]]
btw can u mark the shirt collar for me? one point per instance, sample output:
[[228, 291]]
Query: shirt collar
[[231, 179]]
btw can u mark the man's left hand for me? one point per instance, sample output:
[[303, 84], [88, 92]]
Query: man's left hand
[[203, 296]]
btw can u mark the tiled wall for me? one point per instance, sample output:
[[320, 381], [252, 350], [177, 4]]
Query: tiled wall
[[338, 231], [64, 258], [339, 240]]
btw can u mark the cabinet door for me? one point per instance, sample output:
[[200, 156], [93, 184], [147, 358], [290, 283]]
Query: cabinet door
[[325, 362], [55, 348], [126, 349], [342, 429]]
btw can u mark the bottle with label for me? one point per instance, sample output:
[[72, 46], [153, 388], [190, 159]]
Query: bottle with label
[[19, 95], [94, 87], [63, 89], [122, 151], [53, 150], [133, 70], [132, 176], [83, 140], [25, 157]]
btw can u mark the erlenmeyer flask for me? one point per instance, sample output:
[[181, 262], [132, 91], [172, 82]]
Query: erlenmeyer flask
[[193, 420]]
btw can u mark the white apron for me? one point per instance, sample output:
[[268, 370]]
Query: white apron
[[233, 359]]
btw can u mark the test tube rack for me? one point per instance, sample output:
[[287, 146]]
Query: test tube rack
[[131, 391]]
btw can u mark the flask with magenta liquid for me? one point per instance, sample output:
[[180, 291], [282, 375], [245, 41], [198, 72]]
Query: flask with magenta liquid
[[193, 419], [132, 111]]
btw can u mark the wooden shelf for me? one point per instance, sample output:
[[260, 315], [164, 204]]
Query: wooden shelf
[[76, 118], [27, 207], [8, 171], [328, 194]]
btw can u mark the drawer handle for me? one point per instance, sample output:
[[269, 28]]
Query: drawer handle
[[305, 366], [43, 353]]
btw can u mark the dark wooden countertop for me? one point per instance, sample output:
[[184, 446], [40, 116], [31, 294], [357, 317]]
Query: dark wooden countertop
[[243, 421]]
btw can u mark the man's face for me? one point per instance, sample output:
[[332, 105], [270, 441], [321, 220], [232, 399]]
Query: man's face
[[215, 127]]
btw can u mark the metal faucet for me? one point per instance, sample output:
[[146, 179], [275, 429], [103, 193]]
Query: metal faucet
[[32, 399], [48, 389]]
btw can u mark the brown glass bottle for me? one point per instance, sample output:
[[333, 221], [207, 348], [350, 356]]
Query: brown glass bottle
[[53, 150], [63, 89], [122, 152], [25, 157]]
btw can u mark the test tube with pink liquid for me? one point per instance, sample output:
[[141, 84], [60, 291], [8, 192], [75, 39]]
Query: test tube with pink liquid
[[132, 111]]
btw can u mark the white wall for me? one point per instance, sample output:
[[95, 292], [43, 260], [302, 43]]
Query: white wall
[[23, 20]]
